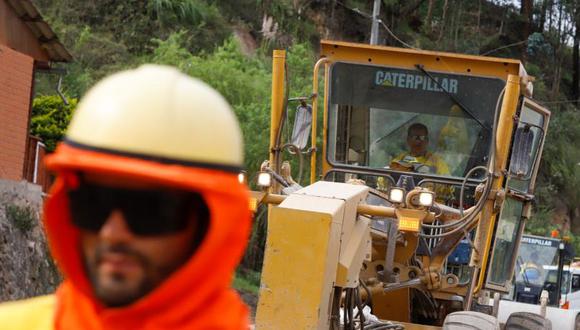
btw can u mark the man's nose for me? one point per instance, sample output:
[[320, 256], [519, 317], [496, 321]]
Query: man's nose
[[115, 228]]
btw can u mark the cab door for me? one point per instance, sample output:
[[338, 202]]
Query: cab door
[[574, 295], [527, 144]]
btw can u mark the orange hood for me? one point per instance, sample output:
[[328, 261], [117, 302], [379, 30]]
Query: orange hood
[[196, 296]]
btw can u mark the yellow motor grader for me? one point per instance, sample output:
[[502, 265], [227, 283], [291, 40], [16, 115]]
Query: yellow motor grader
[[420, 151]]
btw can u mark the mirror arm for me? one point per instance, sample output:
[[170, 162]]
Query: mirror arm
[[520, 195]]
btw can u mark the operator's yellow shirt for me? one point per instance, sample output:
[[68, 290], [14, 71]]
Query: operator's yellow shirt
[[434, 162], [429, 163], [30, 314]]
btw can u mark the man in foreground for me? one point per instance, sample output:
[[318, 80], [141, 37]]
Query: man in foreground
[[147, 219]]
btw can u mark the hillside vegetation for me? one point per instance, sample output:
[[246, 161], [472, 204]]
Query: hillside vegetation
[[228, 44]]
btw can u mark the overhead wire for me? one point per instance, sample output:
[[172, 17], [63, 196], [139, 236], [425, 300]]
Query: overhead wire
[[356, 10], [368, 16], [503, 47], [395, 37], [392, 34]]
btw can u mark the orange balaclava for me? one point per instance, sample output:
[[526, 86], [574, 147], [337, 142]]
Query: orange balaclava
[[155, 124]]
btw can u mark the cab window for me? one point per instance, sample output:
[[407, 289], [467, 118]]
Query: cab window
[[372, 109]]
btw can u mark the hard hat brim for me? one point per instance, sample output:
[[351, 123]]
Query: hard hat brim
[[187, 177]]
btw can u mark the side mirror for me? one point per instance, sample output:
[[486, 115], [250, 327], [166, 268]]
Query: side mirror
[[302, 126], [523, 150]]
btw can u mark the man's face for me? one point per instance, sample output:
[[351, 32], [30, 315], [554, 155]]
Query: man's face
[[123, 266], [417, 140]]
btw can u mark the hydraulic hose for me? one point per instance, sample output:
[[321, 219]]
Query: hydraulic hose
[[464, 222]]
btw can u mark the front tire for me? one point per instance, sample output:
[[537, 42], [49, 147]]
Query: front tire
[[527, 321], [468, 320]]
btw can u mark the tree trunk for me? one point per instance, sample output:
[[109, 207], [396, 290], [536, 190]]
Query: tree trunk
[[504, 16], [443, 16], [542, 20], [560, 14], [557, 73], [451, 42], [411, 7], [428, 25], [550, 13], [575, 59], [478, 18], [526, 10], [457, 26], [330, 25]]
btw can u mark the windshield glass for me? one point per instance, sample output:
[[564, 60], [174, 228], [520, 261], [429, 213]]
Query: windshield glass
[[537, 260], [404, 120]]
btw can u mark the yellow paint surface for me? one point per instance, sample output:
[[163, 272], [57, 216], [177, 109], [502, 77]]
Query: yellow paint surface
[[299, 268]]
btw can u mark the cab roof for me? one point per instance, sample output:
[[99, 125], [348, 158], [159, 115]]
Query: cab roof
[[339, 51]]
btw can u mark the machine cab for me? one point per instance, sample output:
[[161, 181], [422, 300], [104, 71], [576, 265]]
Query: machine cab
[[440, 119]]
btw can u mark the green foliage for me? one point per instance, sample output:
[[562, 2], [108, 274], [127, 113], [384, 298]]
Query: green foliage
[[561, 158], [178, 10], [22, 217], [244, 81], [196, 36], [107, 35], [539, 224], [50, 118], [247, 280], [558, 184]]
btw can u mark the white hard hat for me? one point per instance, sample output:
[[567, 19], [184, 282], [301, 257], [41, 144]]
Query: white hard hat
[[159, 113]]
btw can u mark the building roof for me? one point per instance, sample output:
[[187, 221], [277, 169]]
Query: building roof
[[48, 40]]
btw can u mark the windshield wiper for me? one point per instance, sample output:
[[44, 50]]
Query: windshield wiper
[[394, 130], [463, 107], [524, 275]]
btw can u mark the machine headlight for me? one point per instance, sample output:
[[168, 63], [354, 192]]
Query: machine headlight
[[426, 198], [264, 179], [242, 177], [396, 195]]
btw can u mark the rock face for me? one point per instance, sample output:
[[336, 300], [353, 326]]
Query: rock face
[[26, 267]]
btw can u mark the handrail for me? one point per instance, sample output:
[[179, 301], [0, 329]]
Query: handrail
[[314, 115]]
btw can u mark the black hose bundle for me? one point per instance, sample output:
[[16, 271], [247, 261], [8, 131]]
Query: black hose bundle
[[352, 300]]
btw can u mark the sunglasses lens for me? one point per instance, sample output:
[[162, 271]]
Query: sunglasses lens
[[150, 213], [146, 212], [89, 207]]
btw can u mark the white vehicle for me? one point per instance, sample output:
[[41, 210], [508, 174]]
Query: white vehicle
[[540, 267], [571, 300]]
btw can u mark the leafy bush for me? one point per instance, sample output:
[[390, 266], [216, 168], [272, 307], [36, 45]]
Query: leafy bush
[[22, 217], [50, 118], [244, 81]]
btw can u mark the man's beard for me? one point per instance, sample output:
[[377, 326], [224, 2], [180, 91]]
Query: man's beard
[[122, 292]]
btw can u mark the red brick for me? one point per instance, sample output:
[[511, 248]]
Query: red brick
[[15, 87]]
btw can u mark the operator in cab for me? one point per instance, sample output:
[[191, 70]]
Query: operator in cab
[[147, 219], [418, 158]]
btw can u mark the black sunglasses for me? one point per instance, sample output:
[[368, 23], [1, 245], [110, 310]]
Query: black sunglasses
[[146, 212]]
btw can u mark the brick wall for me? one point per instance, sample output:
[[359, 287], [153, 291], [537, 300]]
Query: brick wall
[[16, 73]]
